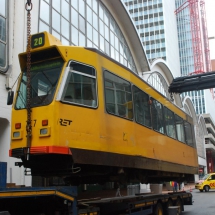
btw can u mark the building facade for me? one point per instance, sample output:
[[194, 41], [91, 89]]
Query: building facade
[[156, 24], [210, 142], [203, 100], [194, 59], [186, 50]]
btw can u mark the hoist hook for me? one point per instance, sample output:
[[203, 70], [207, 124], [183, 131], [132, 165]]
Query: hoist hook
[[29, 2], [28, 5]]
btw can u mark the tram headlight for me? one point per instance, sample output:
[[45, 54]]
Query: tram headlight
[[16, 134], [43, 131]]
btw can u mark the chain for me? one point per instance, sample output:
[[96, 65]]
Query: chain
[[171, 97], [28, 7]]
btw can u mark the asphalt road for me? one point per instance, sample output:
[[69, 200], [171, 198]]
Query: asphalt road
[[204, 203]]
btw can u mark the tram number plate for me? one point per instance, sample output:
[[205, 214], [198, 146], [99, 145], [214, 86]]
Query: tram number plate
[[37, 40]]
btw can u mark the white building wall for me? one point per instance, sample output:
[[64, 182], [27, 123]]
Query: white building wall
[[203, 162], [171, 37], [17, 17], [209, 103]]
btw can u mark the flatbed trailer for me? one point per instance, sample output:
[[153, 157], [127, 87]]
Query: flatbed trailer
[[64, 200]]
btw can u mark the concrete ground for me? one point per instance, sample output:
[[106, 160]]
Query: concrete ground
[[188, 187]]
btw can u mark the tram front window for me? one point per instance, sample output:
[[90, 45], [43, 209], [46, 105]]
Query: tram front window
[[44, 78], [80, 87]]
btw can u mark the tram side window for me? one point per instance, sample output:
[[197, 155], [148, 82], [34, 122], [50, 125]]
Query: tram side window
[[118, 97], [170, 123], [80, 87], [180, 128], [188, 133], [157, 116], [141, 107]]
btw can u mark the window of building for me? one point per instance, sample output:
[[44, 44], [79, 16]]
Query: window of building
[[85, 23], [80, 87], [141, 107], [118, 97], [159, 83], [3, 36]]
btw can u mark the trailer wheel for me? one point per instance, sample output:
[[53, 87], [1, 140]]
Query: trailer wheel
[[180, 205], [206, 188], [158, 210], [168, 204]]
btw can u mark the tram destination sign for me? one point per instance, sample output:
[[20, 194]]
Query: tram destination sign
[[37, 40]]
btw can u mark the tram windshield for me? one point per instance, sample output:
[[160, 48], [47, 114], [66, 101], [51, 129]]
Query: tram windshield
[[44, 78]]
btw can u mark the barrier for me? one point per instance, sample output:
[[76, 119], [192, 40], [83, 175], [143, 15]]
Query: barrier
[[156, 188], [133, 189]]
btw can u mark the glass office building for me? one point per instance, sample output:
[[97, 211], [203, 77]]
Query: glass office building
[[156, 24], [186, 54]]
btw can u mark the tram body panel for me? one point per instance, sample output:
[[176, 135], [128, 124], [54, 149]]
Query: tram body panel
[[85, 121]]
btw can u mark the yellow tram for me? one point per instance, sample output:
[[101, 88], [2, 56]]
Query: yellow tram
[[95, 120]]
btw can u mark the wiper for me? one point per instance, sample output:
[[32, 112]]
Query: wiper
[[52, 84], [24, 82]]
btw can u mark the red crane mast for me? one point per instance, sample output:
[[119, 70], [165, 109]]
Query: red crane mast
[[205, 36], [196, 34]]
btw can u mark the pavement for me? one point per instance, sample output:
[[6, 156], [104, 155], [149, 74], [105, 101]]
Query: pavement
[[189, 187]]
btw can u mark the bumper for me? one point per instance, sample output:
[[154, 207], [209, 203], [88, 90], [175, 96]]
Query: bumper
[[199, 187], [20, 152]]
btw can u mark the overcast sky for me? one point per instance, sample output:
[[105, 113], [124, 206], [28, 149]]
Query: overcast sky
[[210, 14]]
